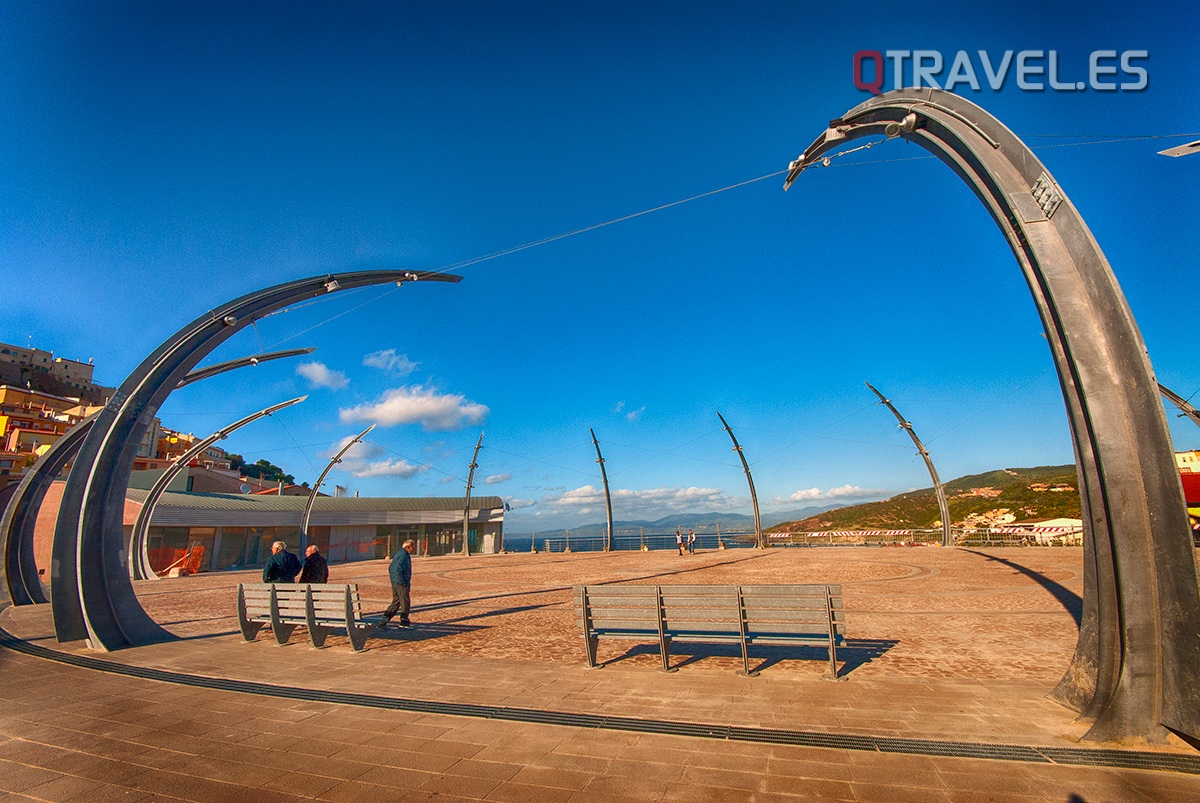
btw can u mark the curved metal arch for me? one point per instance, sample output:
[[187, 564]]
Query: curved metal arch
[[466, 510], [938, 490], [759, 541], [312, 495], [91, 594], [608, 539], [139, 559], [19, 520], [1134, 665]]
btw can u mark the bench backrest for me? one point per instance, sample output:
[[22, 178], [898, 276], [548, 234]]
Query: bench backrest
[[763, 609], [329, 601]]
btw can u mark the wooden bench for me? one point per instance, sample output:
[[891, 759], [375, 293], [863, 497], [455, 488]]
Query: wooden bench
[[320, 608], [750, 614]]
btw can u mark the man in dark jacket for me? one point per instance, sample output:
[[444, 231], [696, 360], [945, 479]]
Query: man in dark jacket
[[282, 566], [400, 573], [315, 570]]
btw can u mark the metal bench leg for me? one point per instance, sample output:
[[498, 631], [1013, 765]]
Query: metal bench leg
[[249, 629], [590, 643], [741, 605], [664, 647], [316, 632], [282, 631], [358, 635]]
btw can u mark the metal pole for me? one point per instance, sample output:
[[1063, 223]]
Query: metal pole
[[737, 447], [240, 362], [139, 560], [467, 508], [607, 496], [1182, 403], [938, 490], [312, 495]]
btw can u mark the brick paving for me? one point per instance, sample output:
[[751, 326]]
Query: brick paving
[[946, 644]]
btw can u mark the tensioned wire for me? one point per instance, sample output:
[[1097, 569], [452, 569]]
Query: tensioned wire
[[1088, 139]]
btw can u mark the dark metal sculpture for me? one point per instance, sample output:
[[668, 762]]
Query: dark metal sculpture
[[1182, 403], [91, 594], [240, 362], [608, 538], [938, 490], [759, 541], [1138, 655], [139, 559], [467, 505], [17, 525], [19, 521], [312, 495]]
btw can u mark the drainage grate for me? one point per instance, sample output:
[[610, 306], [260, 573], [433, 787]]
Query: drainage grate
[[1126, 759]]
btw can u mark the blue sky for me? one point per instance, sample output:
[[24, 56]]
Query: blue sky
[[160, 159]]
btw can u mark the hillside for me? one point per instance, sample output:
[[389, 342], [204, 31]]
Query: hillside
[[996, 497]]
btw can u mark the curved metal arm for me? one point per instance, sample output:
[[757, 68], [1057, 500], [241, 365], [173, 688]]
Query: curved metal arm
[[312, 495], [1182, 403], [737, 447], [608, 539], [938, 490], [91, 594], [20, 516], [467, 505], [1137, 657], [240, 362], [139, 560]]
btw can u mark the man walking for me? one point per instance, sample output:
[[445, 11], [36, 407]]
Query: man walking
[[282, 566], [316, 568], [400, 573], [691, 542]]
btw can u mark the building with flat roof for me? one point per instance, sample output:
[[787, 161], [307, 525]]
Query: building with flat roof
[[235, 531]]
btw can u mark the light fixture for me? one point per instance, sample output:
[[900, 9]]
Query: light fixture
[[331, 285]]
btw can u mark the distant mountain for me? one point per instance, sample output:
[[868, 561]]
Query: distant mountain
[[1025, 494], [699, 521]]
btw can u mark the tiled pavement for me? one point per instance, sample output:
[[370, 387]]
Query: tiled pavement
[[948, 645]]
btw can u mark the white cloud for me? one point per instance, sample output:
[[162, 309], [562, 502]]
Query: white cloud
[[419, 405], [445, 480], [389, 360], [620, 406], [389, 467], [517, 504], [843, 493], [634, 415], [497, 478], [359, 451], [650, 503], [319, 375]]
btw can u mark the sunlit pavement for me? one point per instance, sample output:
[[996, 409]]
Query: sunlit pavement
[[952, 653]]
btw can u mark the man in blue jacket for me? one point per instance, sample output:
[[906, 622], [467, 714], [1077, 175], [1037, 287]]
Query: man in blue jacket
[[400, 573], [282, 566]]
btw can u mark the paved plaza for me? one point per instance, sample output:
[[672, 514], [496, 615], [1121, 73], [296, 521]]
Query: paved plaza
[[951, 656]]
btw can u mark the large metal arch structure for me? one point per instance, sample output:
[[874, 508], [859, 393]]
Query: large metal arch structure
[[91, 593], [139, 557], [608, 535], [1182, 403], [312, 495], [1133, 672], [938, 490], [19, 519], [466, 553]]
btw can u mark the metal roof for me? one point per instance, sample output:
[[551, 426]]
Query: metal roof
[[202, 509]]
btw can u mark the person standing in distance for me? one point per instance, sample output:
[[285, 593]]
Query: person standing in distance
[[316, 569], [400, 573], [282, 566]]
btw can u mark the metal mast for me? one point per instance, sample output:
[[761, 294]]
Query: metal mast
[[737, 447], [607, 496], [943, 506], [312, 495], [467, 507]]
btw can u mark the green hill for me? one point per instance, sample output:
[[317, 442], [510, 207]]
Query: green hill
[[1028, 494]]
